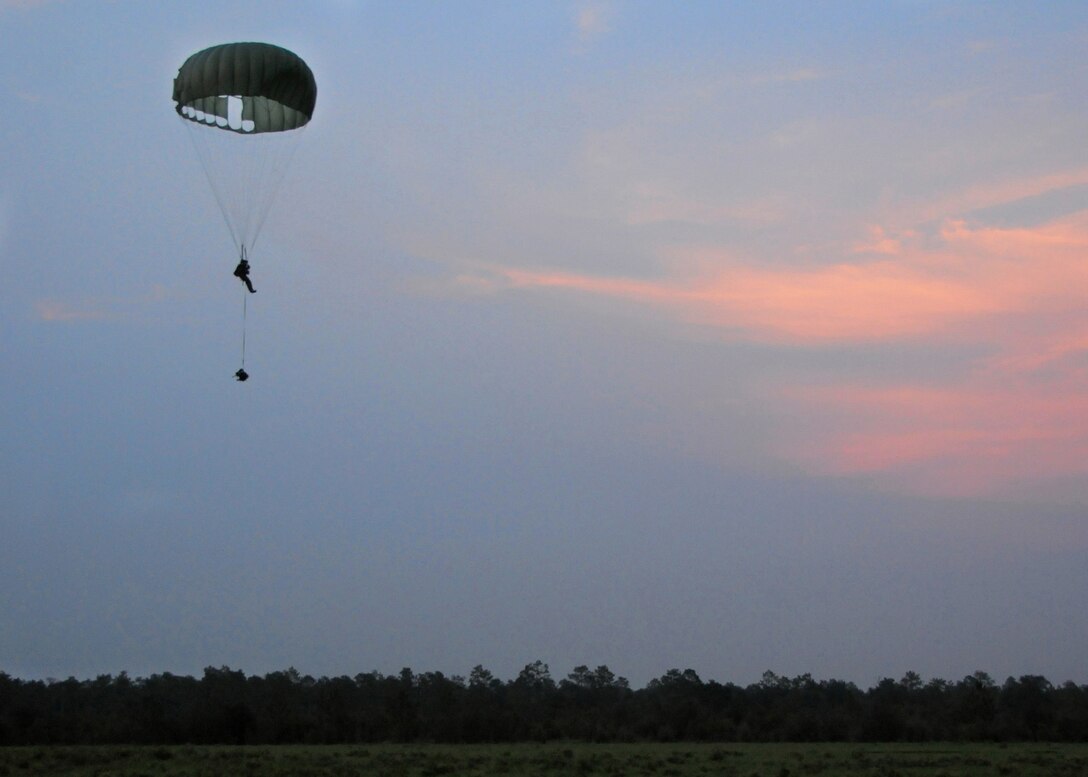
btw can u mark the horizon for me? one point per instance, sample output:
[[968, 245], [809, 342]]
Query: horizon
[[908, 677]]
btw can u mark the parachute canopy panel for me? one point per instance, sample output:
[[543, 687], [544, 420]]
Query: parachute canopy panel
[[246, 88]]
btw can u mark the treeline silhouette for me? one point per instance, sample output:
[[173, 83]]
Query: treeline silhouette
[[227, 707]]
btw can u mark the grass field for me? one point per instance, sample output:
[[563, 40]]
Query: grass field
[[553, 760]]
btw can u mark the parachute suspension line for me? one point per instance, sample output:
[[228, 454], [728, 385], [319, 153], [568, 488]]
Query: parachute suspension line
[[268, 174], [244, 173], [203, 152]]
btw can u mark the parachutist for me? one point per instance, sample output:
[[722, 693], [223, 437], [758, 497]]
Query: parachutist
[[242, 272], [232, 96]]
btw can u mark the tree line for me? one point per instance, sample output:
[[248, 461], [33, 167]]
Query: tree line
[[226, 706]]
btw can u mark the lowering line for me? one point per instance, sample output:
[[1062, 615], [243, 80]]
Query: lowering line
[[245, 305], [242, 375]]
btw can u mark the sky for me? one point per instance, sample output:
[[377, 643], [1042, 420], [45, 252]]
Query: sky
[[724, 336]]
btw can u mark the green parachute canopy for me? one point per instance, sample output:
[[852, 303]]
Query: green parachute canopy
[[246, 88], [245, 106]]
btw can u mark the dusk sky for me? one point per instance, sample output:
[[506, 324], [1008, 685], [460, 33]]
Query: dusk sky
[[709, 335]]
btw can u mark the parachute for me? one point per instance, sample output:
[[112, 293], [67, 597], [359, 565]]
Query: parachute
[[274, 87], [245, 105]]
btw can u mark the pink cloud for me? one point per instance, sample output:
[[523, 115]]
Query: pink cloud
[[96, 309], [981, 196], [882, 241], [1017, 415], [58, 311], [593, 19], [842, 302], [957, 440], [916, 290]]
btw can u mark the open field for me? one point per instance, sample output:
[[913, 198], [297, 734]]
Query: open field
[[553, 760]]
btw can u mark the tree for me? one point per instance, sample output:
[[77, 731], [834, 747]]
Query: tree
[[975, 705], [1027, 707], [532, 698]]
